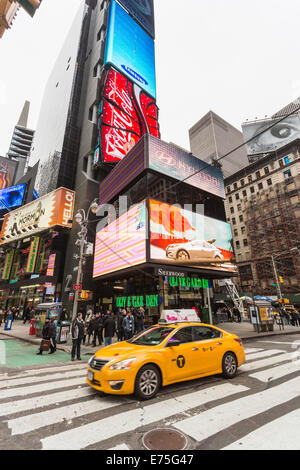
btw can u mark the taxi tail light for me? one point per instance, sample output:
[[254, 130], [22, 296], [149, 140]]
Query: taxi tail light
[[239, 341]]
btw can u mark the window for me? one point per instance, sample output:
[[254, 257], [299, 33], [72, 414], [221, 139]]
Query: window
[[233, 221], [228, 189], [204, 332], [252, 190], [237, 244], [185, 335], [245, 241], [239, 207], [232, 210], [257, 174], [236, 232], [250, 179], [260, 186], [245, 193], [269, 182], [230, 199], [287, 160], [242, 182], [235, 185], [281, 163], [287, 174], [241, 218], [267, 170], [237, 196], [243, 229]]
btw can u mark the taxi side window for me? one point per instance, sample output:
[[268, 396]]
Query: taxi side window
[[185, 335], [203, 332]]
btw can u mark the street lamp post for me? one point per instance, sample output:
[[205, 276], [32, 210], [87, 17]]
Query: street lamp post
[[82, 218], [275, 269]]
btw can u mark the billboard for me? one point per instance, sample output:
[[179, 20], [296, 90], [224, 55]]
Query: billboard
[[122, 244], [126, 113], [130, 49], [12, 197], [282, 133], [182, 237], [8, 170], [53, 209], [143, 12]]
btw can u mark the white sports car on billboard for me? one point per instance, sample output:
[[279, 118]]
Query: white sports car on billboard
[[193, 251]]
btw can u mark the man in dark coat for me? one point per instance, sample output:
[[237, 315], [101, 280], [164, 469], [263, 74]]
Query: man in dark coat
[[77, 331], [97, 327], [52, 336], [109, 328]]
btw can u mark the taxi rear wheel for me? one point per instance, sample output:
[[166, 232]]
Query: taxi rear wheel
[[229, 365], [148, 382]]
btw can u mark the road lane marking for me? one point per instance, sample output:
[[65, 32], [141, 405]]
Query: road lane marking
[[252, 350], [274, 373], [92, 433], [267, 437], [271, 361], [266, 353], [210, 422], [48, 379], [46, 370]]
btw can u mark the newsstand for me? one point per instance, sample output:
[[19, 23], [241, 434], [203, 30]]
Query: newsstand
[[63, 331]]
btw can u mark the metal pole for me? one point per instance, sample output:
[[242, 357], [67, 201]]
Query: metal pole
[[209, 306], [276, 277]]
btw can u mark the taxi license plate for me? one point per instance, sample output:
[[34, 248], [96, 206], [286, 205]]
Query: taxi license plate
[[91, 376]]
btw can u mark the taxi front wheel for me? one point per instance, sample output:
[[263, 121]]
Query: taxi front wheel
[[229, 365], [147, 383]]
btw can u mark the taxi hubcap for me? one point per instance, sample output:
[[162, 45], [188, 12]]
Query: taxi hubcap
[[148, 382], [230, 364]]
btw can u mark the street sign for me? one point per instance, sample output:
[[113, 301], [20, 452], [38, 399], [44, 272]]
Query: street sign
[[77, 287]]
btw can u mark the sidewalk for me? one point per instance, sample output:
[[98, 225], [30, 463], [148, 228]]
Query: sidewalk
[[244, 330]]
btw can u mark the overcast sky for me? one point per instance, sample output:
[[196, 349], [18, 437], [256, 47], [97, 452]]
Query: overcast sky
[[237, 58]]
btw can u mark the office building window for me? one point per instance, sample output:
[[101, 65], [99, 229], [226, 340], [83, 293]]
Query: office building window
[[236, 232], [239, 207], [250, 179], [267, 171], [243, 229], [287, 160], [237, 244], [287, 174], [252, 190], [242, 182], [228, 189], [245, 242], [244, 193], [281, 163], [260, 186], [241, 218], [230, 199], [235, 185], [257, 174], [237, 196], [233, 221], [269, 182], [232, 210]]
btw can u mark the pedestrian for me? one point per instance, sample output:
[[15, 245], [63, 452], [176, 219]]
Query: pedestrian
[[45, 334], [139, 319], [1, 316], [26, 314], [63, 315], [97, 327], [109, 329], [128, 325], [77, 330], [52, 336], [90, 328], [236, 312]]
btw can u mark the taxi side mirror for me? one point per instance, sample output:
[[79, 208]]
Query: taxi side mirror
[[173, 342]]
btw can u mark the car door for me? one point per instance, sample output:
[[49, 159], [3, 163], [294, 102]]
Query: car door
[[210, 349], [180, 362]]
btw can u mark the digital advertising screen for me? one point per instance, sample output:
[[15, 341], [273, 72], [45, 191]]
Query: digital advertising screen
[[8, 170], [126, 113], [130, 49], [143, 12], [12, 197], [122, 244], [266, 140], [182, 237]]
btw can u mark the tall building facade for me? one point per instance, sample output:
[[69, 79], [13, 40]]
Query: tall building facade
[[212, 137]]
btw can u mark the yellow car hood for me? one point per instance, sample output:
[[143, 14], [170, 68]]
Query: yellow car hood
[[118, 349]]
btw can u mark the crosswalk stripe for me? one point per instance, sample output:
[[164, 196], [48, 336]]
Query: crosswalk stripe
[[282, 342], [271, 361], [33, 422], [46, 378], [276, 372], [217, 419], [84, 436], [263, 354], [43, 401], [44, 387], [267, 437], [45, 370], [252, 350]]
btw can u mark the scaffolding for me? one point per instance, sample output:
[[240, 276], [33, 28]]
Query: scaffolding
[[272, 217]]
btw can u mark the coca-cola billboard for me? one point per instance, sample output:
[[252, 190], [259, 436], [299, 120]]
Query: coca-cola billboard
[[126, 113]]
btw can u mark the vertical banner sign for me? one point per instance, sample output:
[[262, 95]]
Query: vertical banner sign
[[15, 268], [34, 247], [8, 264], [40, 257], [51, 265]]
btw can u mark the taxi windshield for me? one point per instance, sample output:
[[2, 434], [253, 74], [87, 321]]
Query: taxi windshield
[[151, 337]]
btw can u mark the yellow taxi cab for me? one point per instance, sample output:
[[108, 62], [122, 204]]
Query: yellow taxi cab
[[164, 354]]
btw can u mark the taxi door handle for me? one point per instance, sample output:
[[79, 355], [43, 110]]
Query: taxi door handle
[[195, 349], [219, 344]]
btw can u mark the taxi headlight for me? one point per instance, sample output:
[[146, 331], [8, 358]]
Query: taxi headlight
[[123, 365], [90, 360]]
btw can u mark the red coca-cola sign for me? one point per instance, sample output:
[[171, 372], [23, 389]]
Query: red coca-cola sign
[[126, 114]]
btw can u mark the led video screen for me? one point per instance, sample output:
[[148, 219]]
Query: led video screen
[[8, 170], [126, 114], [182, 237], [130, 49], [12, 197], [266, 140], [143, 12], [122, 244]]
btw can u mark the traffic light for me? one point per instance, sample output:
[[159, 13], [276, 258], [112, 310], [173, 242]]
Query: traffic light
[[281, 279], [30, 5]]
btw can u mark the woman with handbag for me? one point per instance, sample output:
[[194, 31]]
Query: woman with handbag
[[46, 342]]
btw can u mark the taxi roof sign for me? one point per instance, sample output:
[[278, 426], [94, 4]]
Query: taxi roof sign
[[178, 316]]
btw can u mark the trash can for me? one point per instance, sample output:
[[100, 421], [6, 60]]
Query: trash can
[[63, 330], [8, 323]]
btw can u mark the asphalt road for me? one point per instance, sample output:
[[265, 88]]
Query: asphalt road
[[51, 407]]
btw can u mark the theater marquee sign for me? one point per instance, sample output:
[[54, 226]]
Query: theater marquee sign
[[53, 210]]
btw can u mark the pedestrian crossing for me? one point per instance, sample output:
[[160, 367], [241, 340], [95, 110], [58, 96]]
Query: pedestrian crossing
[[53, 408]]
